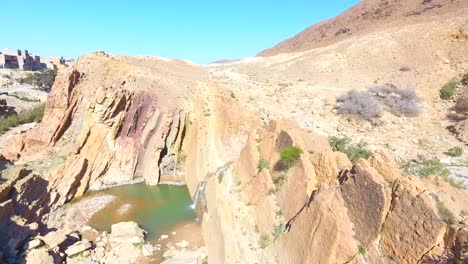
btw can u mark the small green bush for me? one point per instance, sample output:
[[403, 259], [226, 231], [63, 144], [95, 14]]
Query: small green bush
[[290, 154], [42, 79], [424, 167], [263, 164], [339, 144], [455, 152], [353, 151], [448, 90], [277, 231], [358, 151], [264, 241], [362, 250], [27, 116]]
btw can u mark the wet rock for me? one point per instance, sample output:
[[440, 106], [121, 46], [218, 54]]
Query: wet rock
[[129, 230]]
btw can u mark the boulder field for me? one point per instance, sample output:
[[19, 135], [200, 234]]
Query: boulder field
[[114, 119]]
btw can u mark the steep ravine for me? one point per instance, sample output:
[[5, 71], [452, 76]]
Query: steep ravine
[[116, 119]]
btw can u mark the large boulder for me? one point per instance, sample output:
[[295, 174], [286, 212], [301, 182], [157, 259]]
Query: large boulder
[[321, 232], [367, 197], [413, 225], [39, 256]]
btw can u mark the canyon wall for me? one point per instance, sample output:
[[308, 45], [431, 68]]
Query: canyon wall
[[116, 119]]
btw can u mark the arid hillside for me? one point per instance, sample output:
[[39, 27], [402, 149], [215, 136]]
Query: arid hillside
[[365, 17]]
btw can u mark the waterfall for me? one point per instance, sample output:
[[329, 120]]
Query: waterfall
[[200, 189], [201, 186]]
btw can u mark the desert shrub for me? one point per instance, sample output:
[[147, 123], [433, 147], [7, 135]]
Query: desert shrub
[[290, 154], [455, 152], [359, 105], [42, 79], [279, 179], [277, 230], [445, 213], [339, 144], [264, 241], [353, 151], [263, 164], [358, 151], [424, 167], [27, 116], [448, 90], [398, 101], [362, 250]]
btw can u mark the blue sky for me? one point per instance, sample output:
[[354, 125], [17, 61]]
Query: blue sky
[[202, 31]]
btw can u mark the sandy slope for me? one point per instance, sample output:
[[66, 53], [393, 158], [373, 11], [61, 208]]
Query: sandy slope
[[303, 85]]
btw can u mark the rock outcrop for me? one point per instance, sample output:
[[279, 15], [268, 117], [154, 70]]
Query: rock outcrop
[[116, 119]]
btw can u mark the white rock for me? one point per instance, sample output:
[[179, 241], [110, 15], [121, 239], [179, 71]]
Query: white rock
[[126, 229], [35, 243], [78, 247], [164, 237], [39, 256], [147, 250], [182, 244]]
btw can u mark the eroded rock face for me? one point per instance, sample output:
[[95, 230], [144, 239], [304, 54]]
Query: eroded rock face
[[367, 198], [413, 225], [322, 229], [117, 119]]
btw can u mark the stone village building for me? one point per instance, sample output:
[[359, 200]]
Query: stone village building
[[21, 59]]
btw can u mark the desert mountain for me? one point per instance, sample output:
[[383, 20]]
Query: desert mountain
[[367, 16]]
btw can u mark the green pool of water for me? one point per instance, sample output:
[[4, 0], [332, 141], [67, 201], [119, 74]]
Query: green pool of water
[[156, 209]]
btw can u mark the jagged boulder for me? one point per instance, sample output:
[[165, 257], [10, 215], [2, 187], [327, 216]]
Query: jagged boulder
[[39, 256], [385, 165], [367, 198], [321, 232], [413, 225], [325, 167]]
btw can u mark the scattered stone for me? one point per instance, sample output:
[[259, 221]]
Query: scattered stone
[[39, 256], [126, 229], [53, 239], [33, 226], [78, 247], [164, 237], [35, 243]]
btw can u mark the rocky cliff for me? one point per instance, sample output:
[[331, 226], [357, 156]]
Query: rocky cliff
[[220, 128]]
